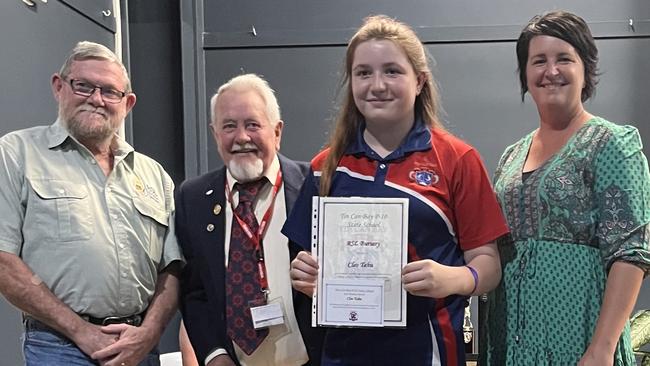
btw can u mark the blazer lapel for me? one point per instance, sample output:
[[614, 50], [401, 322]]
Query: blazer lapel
[[211, 214]]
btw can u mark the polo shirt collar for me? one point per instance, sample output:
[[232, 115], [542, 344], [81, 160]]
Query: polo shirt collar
[[418, 139]]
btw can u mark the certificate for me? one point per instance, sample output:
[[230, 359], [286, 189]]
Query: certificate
[[361, 246]]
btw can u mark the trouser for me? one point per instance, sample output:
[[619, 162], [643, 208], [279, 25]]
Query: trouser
[[43, 345]]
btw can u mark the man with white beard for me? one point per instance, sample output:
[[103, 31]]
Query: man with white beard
[[236, 297], [87, 249]]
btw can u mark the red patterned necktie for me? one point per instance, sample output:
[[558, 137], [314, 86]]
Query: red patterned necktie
[[242, 277]]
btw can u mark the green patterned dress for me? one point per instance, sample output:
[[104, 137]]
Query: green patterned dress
[[571, 219]]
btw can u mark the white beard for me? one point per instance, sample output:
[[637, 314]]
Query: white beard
[[246, 172]]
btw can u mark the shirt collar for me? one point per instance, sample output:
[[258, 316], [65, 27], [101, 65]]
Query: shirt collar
[[418, 139], [58, 135], [271, 173]]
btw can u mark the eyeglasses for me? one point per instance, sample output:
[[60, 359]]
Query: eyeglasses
[[109, 95]]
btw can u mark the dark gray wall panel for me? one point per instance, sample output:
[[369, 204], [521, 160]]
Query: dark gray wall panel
[[622, 93], [31, 54], [99, 11], [156, 76], [480, 96], [291, 22]]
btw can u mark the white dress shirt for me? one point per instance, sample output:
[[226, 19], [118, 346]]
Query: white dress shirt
[[284, 344]]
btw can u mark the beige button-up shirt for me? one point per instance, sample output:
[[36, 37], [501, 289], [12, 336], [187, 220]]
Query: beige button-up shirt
[[98, 242]]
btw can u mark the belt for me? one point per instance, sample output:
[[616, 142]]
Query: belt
[[134, 320]]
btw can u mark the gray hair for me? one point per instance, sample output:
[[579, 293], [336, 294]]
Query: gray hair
[[86, 50], [250, 82]]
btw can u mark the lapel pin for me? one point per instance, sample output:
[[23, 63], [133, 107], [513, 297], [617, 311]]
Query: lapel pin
[[209, 192], [210, 228], [217, 209]]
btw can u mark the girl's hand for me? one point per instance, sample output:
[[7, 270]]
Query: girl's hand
[[304, 271], [432, 279]]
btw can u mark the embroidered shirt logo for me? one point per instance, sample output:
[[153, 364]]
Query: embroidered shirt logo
[[424, 177], [145, 190], [138, 185]]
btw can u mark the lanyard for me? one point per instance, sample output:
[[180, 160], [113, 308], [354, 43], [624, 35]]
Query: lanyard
[[257, 237]]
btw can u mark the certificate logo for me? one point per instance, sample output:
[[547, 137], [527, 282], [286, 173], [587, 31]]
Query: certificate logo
[[353, 316], [424, 177]]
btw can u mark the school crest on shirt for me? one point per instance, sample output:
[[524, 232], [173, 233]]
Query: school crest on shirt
[[424, 177]]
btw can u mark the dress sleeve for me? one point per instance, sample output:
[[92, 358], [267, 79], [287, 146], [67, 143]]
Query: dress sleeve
[[298, 225], [478, 216], [622, 192]]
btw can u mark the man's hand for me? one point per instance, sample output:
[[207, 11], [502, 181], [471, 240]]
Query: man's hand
[[304, 271], [131, 346], [221, 360], [134, 343], [90, 338]]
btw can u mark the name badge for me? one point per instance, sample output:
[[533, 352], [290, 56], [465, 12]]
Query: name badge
[[267, 315]]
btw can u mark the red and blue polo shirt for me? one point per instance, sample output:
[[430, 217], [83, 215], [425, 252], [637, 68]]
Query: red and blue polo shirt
[[452, 208]]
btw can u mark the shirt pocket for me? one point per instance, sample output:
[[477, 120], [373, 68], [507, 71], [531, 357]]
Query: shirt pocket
[[60, 210], [155, 222]]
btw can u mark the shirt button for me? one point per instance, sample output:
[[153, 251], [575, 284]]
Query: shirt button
[[61, 191], [93, 161], [382, 166]]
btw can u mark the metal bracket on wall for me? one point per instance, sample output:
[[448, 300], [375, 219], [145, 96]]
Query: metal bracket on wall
[[32, 4], [98, 11]]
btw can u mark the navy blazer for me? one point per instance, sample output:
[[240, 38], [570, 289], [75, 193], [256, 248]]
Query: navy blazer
[[202, 301]]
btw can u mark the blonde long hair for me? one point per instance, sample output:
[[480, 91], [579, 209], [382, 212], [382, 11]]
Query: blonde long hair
[[378, 27]]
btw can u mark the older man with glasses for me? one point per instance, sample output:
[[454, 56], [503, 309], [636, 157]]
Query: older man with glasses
[[87, 248]]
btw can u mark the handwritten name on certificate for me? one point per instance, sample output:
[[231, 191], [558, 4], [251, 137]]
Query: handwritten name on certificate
[[361, 245]]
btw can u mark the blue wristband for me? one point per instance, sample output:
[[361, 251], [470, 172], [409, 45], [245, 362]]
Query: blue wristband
[[475, 275]]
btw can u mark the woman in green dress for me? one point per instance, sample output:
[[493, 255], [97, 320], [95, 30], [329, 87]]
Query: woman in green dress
[[576, 194]]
